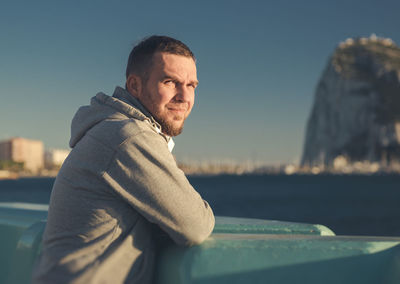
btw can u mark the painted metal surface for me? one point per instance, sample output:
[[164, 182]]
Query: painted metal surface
[[255, 258], [240, 250], [257, 226], [25, 254], [20, 235]]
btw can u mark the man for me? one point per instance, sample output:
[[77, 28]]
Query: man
[[120, 183]]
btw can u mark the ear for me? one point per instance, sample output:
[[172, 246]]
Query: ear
[[134, 85]]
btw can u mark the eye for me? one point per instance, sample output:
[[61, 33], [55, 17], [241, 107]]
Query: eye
[[193, 86], [170, 82]]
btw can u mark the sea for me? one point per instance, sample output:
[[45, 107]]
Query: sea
[[347, 204]]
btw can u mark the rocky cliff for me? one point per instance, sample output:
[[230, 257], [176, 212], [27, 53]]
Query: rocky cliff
[[356, 111]]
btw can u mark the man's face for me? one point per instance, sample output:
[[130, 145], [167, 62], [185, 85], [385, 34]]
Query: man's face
[[169, 91]]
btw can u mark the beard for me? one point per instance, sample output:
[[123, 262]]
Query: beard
[[167, 122], [168, 128]]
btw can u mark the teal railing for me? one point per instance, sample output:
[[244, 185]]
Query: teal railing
[[239, 251]]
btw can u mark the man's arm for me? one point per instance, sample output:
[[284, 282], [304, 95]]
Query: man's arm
[[145, 174]]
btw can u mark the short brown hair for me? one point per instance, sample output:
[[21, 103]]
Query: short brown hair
[[140, 58]]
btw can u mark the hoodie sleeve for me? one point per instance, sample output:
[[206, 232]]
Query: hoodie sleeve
[[145, 174]]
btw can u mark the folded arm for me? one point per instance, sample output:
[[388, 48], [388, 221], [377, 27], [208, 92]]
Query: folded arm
[[145, 174]]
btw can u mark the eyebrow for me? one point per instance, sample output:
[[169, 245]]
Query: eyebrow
[[195, 82]]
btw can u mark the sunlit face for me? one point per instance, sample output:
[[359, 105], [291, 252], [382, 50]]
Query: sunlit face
[[169, 91]]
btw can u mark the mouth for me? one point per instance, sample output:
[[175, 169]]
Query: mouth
[[177, 109]]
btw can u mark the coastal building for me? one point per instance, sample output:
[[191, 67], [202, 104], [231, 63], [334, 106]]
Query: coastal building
[[22, 150], [54, 158]]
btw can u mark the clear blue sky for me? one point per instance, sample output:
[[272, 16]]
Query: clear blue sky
[[258, 65]]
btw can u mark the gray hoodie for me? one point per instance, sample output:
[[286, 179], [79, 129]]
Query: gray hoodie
[[119, 183]]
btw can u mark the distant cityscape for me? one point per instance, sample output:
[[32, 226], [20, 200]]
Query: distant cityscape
[[21, 157], [26, 157]]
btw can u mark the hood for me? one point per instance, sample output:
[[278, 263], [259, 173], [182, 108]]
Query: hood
[[121, 105]]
